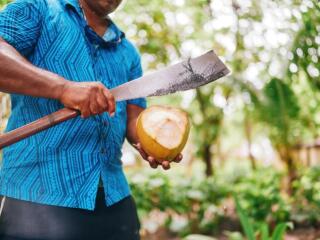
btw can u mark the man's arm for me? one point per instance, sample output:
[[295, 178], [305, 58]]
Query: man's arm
[[19, 76], [133, 112]]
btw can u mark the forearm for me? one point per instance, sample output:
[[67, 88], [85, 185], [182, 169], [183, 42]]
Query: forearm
[[133, 112], [131, 132], [19, 76]]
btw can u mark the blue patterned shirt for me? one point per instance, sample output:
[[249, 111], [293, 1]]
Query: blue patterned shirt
[[62, 165]]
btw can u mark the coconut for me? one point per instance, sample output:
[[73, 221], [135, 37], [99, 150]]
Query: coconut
[[163, 131]]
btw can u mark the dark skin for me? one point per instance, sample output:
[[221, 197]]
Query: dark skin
[[19, 76]]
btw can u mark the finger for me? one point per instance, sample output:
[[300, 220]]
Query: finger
[[111, 101], [178, 158], [94, 108], [152, 162], [153, 165], [142, 152], [102, 102], [165, 165], [85, 111]]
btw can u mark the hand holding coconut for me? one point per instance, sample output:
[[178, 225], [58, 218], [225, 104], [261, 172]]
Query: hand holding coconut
[[162, 132], [154, 163]]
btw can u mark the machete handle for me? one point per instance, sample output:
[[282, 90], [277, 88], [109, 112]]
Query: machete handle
[[39, 125]]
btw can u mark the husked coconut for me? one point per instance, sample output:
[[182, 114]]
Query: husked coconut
[[163, 131]]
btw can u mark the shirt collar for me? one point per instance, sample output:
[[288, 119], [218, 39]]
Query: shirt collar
[[113, 34], [112, 37], [72, 3]]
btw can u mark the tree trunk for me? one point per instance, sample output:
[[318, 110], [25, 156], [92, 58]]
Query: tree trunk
[[308, 156], [292, 174], [208, 160], [286, 157], [249, 141], [219, 154]]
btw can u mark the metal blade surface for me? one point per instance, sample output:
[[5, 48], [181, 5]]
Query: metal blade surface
[[189, 74]]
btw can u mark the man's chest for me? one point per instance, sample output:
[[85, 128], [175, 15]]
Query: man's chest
[[66, 48]]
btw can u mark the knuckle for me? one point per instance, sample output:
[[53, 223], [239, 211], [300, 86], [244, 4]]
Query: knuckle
[[100, 110], [101, 85], [94, 87]]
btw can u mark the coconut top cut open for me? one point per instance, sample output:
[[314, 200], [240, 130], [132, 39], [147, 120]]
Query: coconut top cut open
[[165, 125]]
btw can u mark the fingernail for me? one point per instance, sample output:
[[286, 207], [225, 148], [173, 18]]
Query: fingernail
[[112, 114]]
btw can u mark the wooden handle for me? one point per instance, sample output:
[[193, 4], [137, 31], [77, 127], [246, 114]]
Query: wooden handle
[[37, 126]]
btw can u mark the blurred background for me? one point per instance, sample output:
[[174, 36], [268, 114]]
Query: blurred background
[[251, 166]]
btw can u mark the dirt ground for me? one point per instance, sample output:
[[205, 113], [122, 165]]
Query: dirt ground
[[304, 234], [298, 234]]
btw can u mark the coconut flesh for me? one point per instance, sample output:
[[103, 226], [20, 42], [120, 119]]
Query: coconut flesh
[[163, 131]]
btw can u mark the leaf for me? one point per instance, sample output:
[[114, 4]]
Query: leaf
[[246, 225], [264, 232], [280, 230]]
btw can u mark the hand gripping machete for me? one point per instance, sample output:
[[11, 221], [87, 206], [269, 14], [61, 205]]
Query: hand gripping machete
[[189, 74]]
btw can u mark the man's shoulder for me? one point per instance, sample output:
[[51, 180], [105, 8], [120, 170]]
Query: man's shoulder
[[130, 47], [39, 5]]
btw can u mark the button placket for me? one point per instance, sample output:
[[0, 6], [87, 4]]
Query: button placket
[[103, 134], [103, 123], [103, 150]]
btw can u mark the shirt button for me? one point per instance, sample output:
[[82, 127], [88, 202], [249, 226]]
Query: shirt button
[[103, 135], [103, 150], [104, 123]]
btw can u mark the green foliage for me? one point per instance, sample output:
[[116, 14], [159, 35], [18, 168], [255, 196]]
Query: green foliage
[[259, 203], [200, 201], [161, 191], [262, 230], [156, 29], [3, 3], [260, 197], [305, 58], [244, 219], [197, 199], [306, 196], [303, 71], [280, 111]]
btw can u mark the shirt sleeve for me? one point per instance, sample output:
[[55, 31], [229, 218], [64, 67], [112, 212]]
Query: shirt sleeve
[[20, 24], [136, 72]]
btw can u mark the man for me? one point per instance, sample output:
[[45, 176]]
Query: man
[[56, 53]]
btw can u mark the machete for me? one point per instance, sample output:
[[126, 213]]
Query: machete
[[189, 74]]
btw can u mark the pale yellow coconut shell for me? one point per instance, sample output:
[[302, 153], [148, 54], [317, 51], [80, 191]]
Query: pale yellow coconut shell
[[163, 131]]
